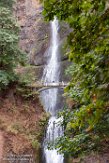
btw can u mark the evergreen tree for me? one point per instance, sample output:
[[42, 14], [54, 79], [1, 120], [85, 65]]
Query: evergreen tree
[[10, 55], [7, 3]]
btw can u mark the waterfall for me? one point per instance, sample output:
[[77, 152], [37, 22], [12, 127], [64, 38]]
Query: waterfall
[[50, 97]]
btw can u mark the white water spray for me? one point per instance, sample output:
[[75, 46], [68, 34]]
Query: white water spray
[[50, 97]]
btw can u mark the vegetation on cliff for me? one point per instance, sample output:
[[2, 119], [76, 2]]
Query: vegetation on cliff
[[10, 54], [22, 117], [22, 122], [87, 125]]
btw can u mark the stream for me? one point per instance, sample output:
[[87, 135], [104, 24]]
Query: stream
[[50, 97]]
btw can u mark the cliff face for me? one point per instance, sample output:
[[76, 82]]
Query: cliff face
[[34, 32]]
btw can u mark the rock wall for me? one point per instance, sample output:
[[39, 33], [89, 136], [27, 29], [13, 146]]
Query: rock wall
[[35, 35], [34, 32]]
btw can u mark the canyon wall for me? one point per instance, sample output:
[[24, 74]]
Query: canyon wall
[[35, 35], [34, 31]]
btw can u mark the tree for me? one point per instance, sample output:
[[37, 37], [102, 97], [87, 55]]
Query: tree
[[89, 85], [10, 54], [7, 3]]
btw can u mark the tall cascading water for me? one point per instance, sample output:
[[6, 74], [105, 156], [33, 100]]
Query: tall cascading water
[[50, 97]]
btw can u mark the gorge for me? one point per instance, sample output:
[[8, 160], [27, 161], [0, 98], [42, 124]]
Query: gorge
[[54, 81]]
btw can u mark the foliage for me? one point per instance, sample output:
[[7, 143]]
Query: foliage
[[35, 144], [7, 3], [10, 54], [89, 53]]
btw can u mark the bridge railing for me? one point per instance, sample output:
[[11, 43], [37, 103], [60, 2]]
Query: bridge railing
[[52, 84]]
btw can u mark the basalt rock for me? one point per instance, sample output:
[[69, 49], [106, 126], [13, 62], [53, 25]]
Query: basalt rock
[[34, 31], [35, 34]]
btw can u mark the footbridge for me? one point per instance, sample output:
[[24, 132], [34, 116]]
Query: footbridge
[[41, 86]]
